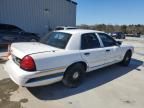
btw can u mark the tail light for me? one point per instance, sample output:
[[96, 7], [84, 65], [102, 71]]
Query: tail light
[[28, 64]]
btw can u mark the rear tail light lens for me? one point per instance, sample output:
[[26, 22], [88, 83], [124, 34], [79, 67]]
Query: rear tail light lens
[[28, 64]]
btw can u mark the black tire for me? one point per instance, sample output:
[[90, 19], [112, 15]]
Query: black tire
[[127, 59], [70, 80]]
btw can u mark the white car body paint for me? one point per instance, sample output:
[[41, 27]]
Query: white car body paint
[[52, 61]]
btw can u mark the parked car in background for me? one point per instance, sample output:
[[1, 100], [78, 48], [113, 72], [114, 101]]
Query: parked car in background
[[65, 28], [11, 33], [138, 35], [65, 56], [118, 35]]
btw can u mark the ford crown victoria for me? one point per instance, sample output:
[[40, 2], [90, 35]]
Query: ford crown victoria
[[64, 55]]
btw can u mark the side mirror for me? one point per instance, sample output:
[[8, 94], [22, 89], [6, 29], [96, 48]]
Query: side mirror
[[119, 43]]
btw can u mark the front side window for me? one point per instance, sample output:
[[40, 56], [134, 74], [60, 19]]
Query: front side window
[[56, 39], [107, 40], [89, 41]]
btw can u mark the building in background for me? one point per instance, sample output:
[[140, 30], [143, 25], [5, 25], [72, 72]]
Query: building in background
[[38, 16]]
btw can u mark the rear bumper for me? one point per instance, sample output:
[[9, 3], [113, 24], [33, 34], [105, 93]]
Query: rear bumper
[[31, 79]]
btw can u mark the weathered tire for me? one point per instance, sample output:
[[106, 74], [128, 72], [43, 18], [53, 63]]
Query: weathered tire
[[127, 58], [74, 76]]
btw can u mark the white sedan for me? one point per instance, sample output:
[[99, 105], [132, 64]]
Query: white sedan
[[65, 56]]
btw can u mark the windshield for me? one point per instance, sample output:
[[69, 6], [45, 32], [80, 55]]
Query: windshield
[[56, 39]]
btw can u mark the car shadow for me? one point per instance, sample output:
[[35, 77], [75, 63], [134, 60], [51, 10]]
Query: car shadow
[[94, 79]]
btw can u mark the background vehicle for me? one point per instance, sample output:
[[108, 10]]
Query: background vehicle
[[118, 35], [65, 28], [11, 33], [66, 56]]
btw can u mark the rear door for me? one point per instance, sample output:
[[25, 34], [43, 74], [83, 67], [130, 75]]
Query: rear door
[[112, 50], [91, 50]]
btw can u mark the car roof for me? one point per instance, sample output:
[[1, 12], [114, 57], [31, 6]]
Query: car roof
[[80, 31], [7, 25]]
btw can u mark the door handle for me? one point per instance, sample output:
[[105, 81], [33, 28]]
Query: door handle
[[86, 54], [108, 50]]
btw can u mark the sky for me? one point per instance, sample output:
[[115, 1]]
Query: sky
[[110, 12]]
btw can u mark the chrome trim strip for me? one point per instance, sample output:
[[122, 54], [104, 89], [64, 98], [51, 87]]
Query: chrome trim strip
[[104, 64], [54, 69]]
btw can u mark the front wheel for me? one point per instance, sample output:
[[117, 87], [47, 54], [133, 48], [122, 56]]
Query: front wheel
[[74, 75], [127, 59]]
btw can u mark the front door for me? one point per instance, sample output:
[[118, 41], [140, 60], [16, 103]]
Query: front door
[[112, 50]]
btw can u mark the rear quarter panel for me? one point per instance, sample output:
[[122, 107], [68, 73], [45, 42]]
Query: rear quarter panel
[[57, 59]]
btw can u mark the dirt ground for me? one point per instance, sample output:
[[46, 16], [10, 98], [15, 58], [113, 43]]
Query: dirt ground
[[111, 87]]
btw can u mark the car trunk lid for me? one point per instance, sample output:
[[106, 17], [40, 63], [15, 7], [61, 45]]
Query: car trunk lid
[[28, 48]]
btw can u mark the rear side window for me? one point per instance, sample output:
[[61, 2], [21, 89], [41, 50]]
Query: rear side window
[[57, 39], [89, 41], [107, 40]]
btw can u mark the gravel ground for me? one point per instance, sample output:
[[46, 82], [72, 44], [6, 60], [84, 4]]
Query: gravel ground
[[111, 87]]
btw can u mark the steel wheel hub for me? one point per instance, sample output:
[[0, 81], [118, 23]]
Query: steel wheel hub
[[75, 75], [127, 58]]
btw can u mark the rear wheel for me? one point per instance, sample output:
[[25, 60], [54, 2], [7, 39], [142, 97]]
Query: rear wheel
[[74, 76], [127, 59]]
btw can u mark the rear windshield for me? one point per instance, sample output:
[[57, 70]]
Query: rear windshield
[[56, 39]]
